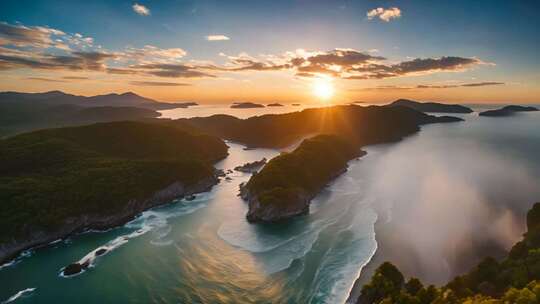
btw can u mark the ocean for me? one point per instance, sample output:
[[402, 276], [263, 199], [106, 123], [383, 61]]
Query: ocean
[[442, 191]]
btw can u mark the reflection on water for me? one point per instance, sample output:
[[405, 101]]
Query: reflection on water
[[209, 110], [204, 251]]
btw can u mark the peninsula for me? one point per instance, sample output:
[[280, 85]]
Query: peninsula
[[286, 185], [57, 182]]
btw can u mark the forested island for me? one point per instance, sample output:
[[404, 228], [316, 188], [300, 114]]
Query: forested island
[[432, 107], [286, 185], [515, 279], [508, 111], [57, 182]]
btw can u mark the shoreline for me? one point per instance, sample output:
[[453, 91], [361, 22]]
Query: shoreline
[[9, 254], [390, 249]]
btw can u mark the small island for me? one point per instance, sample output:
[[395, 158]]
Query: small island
[[295, 104], [186, 104], [274, 105], [432, 107], [246, 105], [251, 167], [57, 182], [507, 111], [286, 185]]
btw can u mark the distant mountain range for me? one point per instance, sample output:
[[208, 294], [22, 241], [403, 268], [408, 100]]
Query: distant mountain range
[[21, 112], [128, 99]]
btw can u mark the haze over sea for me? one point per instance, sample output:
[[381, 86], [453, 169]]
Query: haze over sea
[[473, 181]]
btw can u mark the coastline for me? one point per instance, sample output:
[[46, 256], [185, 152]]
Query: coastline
[[11, 251], [390, 249]]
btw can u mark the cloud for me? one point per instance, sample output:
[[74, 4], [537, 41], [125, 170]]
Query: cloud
[[75, 77], [44, 48], [140, 9], [170, 70], [433, 86], [153, 54], [45, 79], [158, 84], [23, 36], [217, 38], [482, 84], [347, 64], [384, 14], [93, 61]]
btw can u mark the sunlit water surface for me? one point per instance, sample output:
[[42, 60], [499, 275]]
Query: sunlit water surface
[[204, 251]]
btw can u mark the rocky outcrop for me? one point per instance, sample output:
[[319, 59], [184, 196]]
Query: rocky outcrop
[[251, 167], [72, 226], [297, 204]]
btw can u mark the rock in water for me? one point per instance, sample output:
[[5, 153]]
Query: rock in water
[[100, 251], [251, 167], [75, 268]]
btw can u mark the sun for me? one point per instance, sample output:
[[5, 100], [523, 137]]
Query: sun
[[323, 88]]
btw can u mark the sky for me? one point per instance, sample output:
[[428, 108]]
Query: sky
[[338, 51]]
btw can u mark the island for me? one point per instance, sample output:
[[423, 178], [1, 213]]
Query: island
[[186, 104], [251, 167], [361, 125], [274, 105], [515, 279], [507, 111], [286, 185], [246, 105], [432, 107], [57, 182], [295, 104]]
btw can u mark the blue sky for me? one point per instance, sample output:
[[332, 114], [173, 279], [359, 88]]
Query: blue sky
[[502, 33]]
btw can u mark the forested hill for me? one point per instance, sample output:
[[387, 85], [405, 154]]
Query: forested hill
[[58, 181], [514, 280], [362, 125]]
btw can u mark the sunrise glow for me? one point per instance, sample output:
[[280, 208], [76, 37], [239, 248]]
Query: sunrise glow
[[323, 88]]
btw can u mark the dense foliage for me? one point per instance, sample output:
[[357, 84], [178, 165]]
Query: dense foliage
[[515, 280], [359, 125], [52, 177], [302, 172]]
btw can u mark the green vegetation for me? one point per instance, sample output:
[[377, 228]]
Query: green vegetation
[[309, 167], [516, 279], [53, 178], [302, 172], [359, 125]]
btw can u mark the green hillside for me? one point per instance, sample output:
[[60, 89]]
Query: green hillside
[[51, 178]]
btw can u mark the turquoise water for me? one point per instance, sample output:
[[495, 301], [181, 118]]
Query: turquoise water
[[203, 251]]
